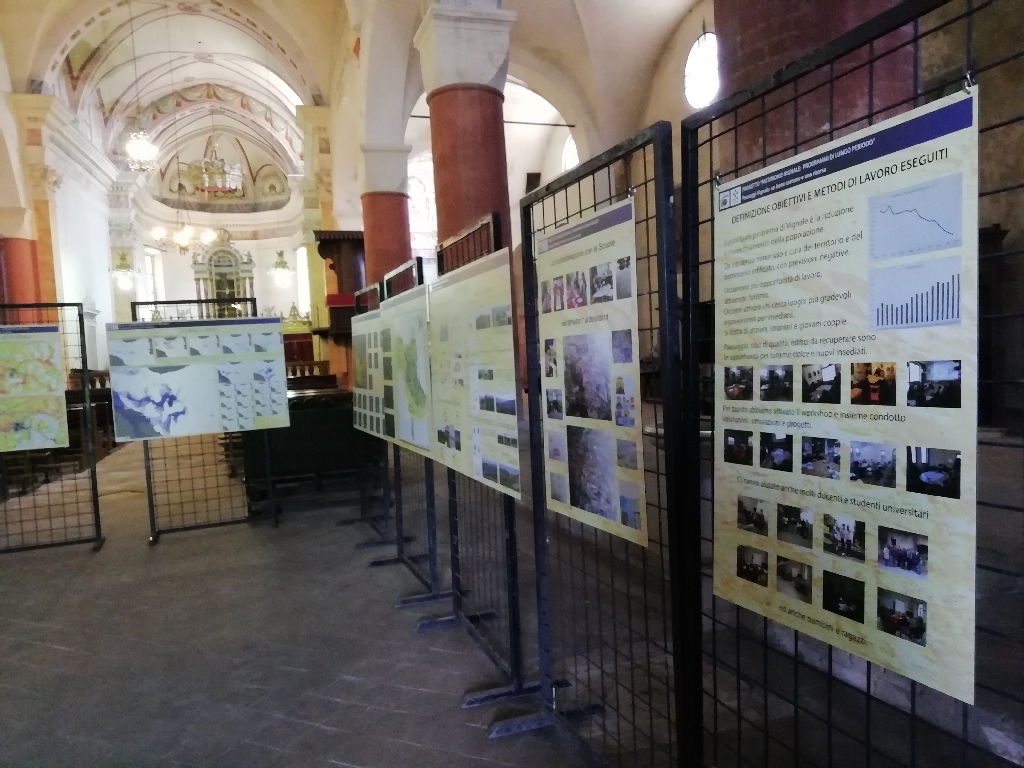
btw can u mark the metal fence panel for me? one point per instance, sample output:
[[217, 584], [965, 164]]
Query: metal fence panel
[[49, 497], [772, 696], [198, 481], [607, 618]]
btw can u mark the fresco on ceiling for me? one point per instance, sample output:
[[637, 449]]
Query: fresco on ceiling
[[224, 179]]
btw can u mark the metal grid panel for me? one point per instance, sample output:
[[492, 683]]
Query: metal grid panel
[[198, 481], [48, 497], [771, 695], [610, 602], [482, 520]]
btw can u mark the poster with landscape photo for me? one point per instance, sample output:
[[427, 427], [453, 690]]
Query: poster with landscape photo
[[590, 362]]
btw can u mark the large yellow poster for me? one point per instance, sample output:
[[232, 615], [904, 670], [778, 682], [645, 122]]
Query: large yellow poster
[[846, 321], [33, 411], [593, 443], [405, 360], [473, 373]]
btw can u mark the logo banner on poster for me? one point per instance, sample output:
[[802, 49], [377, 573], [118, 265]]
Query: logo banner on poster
[[846, 364]]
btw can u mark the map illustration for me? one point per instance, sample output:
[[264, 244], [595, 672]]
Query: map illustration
[[33, 412], [131, 351], [412, 378], [169, 401]]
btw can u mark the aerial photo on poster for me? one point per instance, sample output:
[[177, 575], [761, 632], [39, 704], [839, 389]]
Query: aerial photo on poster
[[33, 410], [590, 360]]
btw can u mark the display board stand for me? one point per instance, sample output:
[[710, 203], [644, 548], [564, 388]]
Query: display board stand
[[49, 496]]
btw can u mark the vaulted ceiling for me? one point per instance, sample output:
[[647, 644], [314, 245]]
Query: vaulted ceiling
[[183, 70]]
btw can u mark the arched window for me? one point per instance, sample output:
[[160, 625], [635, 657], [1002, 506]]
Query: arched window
[[700, 77], [422, 207], [570, 155]]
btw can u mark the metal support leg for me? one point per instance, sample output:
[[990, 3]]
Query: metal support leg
[[434, 593]]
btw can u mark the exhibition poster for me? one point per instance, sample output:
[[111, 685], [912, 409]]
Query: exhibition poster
[[846, 316], [473, 373], [33, 411], [406, 370], [368, 379], [196, 377], [590, 365]]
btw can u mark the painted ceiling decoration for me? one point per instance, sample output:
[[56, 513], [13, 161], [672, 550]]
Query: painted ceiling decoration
[[220, 10], [174, 102]]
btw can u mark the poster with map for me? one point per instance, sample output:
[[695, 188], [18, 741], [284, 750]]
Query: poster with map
[[33, 411], [473, 373], [406, 370], [368, 374], [194, 377], [590, 350]]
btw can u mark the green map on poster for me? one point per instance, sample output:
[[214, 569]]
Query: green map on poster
[[33, 413]]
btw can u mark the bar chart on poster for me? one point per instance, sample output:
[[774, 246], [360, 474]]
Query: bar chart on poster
[[846, 361], [195, 377], [590, 361], [473, 373]]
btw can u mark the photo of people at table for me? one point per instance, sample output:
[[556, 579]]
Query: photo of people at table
[[844, 537], [752, 565], [902, 552], [739, 447], [777, 383], [873, 464], [903, 616], [933, 384], [777, 451], [794, 579], [819, 457], [752, 515], [843, 596], [795, 526], [933, 471], [822, 384], [873, 384], [739, 383]]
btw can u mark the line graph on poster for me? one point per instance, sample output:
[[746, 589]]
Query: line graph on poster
[[919, 219]]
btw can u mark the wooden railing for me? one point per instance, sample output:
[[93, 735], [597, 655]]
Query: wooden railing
[[309, 368]]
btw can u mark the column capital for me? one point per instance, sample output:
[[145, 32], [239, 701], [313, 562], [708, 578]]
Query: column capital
[[464, 44], [385, 167]]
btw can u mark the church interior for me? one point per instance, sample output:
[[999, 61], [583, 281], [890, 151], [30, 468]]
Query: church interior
[[315, 596]]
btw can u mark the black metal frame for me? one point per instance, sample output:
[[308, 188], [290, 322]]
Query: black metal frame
[[624, 706], [402, 485], [165, 455], [482, 525], [73, 346], [770, 695]]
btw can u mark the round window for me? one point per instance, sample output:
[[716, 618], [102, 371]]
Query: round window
[[700, 78]]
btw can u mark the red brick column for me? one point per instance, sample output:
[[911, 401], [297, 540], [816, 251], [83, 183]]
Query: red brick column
[[385, 233], [467, 136], [20, 271]]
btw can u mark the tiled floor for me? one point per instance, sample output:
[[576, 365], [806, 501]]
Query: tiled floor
[[239, 646]]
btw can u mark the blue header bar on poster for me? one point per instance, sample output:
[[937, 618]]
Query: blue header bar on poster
[[606, 220], [927, 127], [193, 323], [10, 329]]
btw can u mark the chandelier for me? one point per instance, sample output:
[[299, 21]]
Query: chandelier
[[281, 272], [142, 153]]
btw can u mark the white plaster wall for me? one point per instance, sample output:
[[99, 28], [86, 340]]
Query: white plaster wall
[[81, 214], [268, 293], [667, 100]]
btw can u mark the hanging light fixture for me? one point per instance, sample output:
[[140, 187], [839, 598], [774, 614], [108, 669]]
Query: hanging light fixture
[[281, 272], [142, 152], [159, 233], [123, 272], [208, 236]]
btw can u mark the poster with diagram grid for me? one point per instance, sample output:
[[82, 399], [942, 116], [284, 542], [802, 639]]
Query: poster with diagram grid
[[368, 374]]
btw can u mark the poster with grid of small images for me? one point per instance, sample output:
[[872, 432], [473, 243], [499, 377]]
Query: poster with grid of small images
[[368, 378]]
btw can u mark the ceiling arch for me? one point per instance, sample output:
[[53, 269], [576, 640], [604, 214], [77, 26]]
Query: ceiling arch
[[93, 21]]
